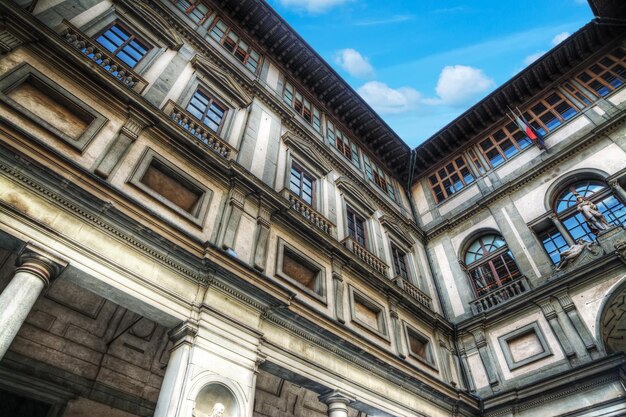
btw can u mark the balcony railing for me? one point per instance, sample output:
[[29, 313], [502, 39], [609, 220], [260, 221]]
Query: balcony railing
[[414, 292], [365, 255], [500, 295], [192, 126], [308, 213], [101, 57]]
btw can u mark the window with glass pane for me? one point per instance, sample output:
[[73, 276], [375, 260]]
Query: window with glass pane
[[490, 264], [476, 161], [303, 106], [550, 112], [607, 74], [577, 93], [450, 179], [356, 227], [375, 174], [206, 109], [399, 262], [302, 184], [598, 193], [554, 243], [222, 33], [197, 10], [122, 43], [337, 139], [503, 144]]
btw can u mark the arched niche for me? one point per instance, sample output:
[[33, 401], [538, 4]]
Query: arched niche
[[611, 322], [208, 390]]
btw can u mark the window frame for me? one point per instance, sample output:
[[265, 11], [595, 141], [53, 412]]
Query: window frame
[[598, 77], [509, 134], [429, 358], [487, 260], [571, 212], [356, 216], [222, 41], [534, 118], [320, 295], [357, 296], [457, 170], [314, 112], [304, 173], [397, 250], [212, 100], [193, 5], [133, 35]]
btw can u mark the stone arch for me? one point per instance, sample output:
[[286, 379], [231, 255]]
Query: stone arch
[[569, 177], [611, 320]]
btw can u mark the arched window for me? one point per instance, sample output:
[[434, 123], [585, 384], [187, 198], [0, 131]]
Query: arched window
[[599, 194], [490, 263]]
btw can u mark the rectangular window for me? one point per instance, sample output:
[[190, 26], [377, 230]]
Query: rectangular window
[[303, 106], [503, 144], [197, 10], [573, 90], [239, 48], [206, 109], [123, 44], [337, 139], [302, 184], [449, 179], [356, 227], [419, 346], [399, 262], [554, 243], [301, 271], [165, 182], [550, 112], [476, 161], [605, 75], [368, 313], [379, 177]]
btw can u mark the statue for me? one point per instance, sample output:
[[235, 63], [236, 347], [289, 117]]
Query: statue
[[218, 410], [570, 255], [595, 220]]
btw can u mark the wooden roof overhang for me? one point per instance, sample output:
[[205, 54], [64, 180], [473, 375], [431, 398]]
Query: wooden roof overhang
[[313, 73], [515, 92]]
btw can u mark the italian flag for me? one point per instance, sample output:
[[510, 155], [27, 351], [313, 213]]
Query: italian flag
[[528, 130]]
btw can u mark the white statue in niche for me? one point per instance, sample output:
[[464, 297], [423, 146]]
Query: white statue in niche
[[218, 410]]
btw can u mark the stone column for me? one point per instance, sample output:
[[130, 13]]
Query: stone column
[[562, 230], [170, 396], [619, 190], [337, 403], [237, 201], [570, 309], [338, 289], [396, 326], [34, 272], [127, 135], [550, 314], [263, 234], [486, 357]]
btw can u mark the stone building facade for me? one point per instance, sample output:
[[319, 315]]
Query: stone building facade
[[199, 217]]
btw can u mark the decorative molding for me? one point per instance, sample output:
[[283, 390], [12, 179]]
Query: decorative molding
[[311, 154], [223, 79], [155, 21]]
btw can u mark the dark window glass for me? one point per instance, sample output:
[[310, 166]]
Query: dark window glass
[[123, 44], [302, 184], [606, 75], [204, 107], [399, 262], [490, 264], [356, 227]]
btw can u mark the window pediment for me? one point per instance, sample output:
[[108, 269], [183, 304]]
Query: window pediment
[[157, 23], [397, 232], [216, 75], [310, 154], [357, 197]]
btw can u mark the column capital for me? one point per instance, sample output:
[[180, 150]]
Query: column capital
[[38, 264], [336, 397], [184, 332]]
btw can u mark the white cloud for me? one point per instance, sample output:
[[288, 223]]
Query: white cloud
[[459, 84], [355, 63], [533, 57], [385, 20], [387, 100], [312, 6], [560, 38]]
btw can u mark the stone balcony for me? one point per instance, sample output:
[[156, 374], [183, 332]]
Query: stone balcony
[[500, 295], [365, 255], [314, 217], [414, 292], [196, 129], [106, 62]]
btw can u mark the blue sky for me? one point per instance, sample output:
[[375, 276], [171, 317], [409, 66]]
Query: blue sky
[[421, 63]]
